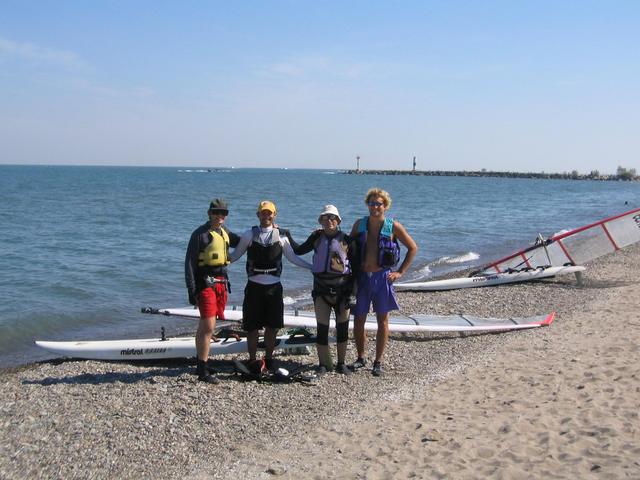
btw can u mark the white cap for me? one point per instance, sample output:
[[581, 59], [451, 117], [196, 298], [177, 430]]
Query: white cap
[[330, 210]]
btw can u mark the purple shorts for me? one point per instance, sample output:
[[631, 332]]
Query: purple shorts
[[373, 287]]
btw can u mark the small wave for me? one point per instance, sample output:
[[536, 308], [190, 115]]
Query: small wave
[[298, 299], [425, 271], [329, 173], [463, 258], [71, 293]]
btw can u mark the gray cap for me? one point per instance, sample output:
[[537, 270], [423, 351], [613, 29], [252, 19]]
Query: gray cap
[[219, 204]]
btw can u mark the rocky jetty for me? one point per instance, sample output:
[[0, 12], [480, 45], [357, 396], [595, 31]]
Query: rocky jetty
[[486, 173]]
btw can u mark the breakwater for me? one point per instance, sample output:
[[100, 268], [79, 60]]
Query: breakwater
[[486, 173]]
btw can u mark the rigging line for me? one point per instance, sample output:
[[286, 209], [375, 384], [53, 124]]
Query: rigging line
[[544, 245], [415, 321], [467, 320], [526, 260]]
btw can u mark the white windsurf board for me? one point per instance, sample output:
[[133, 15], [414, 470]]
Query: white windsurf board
[[397, 323], [488, 280], [156, 348]]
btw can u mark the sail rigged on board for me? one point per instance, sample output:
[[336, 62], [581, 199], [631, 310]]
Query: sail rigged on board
[[576, 246]]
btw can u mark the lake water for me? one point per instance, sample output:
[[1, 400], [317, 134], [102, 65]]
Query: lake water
[[84, 248]]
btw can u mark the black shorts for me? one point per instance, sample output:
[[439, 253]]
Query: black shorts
[[262, 306]]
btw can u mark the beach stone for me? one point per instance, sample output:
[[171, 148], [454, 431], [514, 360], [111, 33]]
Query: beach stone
[[89, 419], [276, 470]]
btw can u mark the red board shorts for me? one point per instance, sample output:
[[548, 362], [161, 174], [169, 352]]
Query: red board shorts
[[212, 301]]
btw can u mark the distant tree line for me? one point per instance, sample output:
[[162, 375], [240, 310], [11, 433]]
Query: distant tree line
[[626, 174], [622, 174]]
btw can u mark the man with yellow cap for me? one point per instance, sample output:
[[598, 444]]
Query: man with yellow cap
[[263, 306]]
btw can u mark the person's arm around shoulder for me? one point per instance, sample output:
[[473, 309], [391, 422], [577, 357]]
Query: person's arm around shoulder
[[412, 248], [353, 254], [190, 266], [307, 246], [356, 255], [234, 238], [354, 229], [243, 244], [295, 245], [291, 256]]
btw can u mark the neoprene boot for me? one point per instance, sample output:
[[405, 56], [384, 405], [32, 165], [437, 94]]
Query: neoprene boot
[[203, 373]]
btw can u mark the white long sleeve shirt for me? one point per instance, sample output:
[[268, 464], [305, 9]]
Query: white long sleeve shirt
[[266, 234]]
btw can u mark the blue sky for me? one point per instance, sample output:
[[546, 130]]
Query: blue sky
[[529, 86]]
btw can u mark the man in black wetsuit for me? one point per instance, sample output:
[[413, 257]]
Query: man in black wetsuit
[[206, 277]]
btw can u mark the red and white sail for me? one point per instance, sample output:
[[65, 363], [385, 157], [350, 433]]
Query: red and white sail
[[575, 247]]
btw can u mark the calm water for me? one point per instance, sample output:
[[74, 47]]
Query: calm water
[[84, 248]]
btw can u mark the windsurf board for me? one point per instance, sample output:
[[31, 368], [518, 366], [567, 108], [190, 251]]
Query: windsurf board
[[488, 280], [397, 323], [156, 348]]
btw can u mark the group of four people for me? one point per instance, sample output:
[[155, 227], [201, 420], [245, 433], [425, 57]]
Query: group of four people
[[359, 264]]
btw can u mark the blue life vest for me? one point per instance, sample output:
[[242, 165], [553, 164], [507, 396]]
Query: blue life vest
[[388, 247]]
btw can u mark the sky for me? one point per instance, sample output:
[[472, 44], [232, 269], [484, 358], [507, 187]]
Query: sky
[[549, 86]]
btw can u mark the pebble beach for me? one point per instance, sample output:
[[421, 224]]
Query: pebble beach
[[554, 402]]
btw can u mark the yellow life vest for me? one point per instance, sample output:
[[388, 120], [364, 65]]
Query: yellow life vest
[[216, 254]]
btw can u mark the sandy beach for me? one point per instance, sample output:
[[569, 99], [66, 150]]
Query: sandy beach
[[556, 402]]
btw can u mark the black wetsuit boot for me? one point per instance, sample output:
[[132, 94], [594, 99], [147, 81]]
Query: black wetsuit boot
[[203, 373]]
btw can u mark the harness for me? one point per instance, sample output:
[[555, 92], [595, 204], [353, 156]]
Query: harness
[[210, 281], [264, 259]]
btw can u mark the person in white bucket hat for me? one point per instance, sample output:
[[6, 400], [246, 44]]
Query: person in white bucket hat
[[333, 263], [330, 210]]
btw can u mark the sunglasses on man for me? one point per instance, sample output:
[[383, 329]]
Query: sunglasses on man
[[222, 213]]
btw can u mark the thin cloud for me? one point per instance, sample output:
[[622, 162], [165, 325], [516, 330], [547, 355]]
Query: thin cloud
[[108, 91], [70, 66], [300, 67], [287, 69], [36, 53], [312, 66]]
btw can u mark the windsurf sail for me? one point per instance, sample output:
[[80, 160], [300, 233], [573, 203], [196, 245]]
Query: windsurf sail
[[574, 247]]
